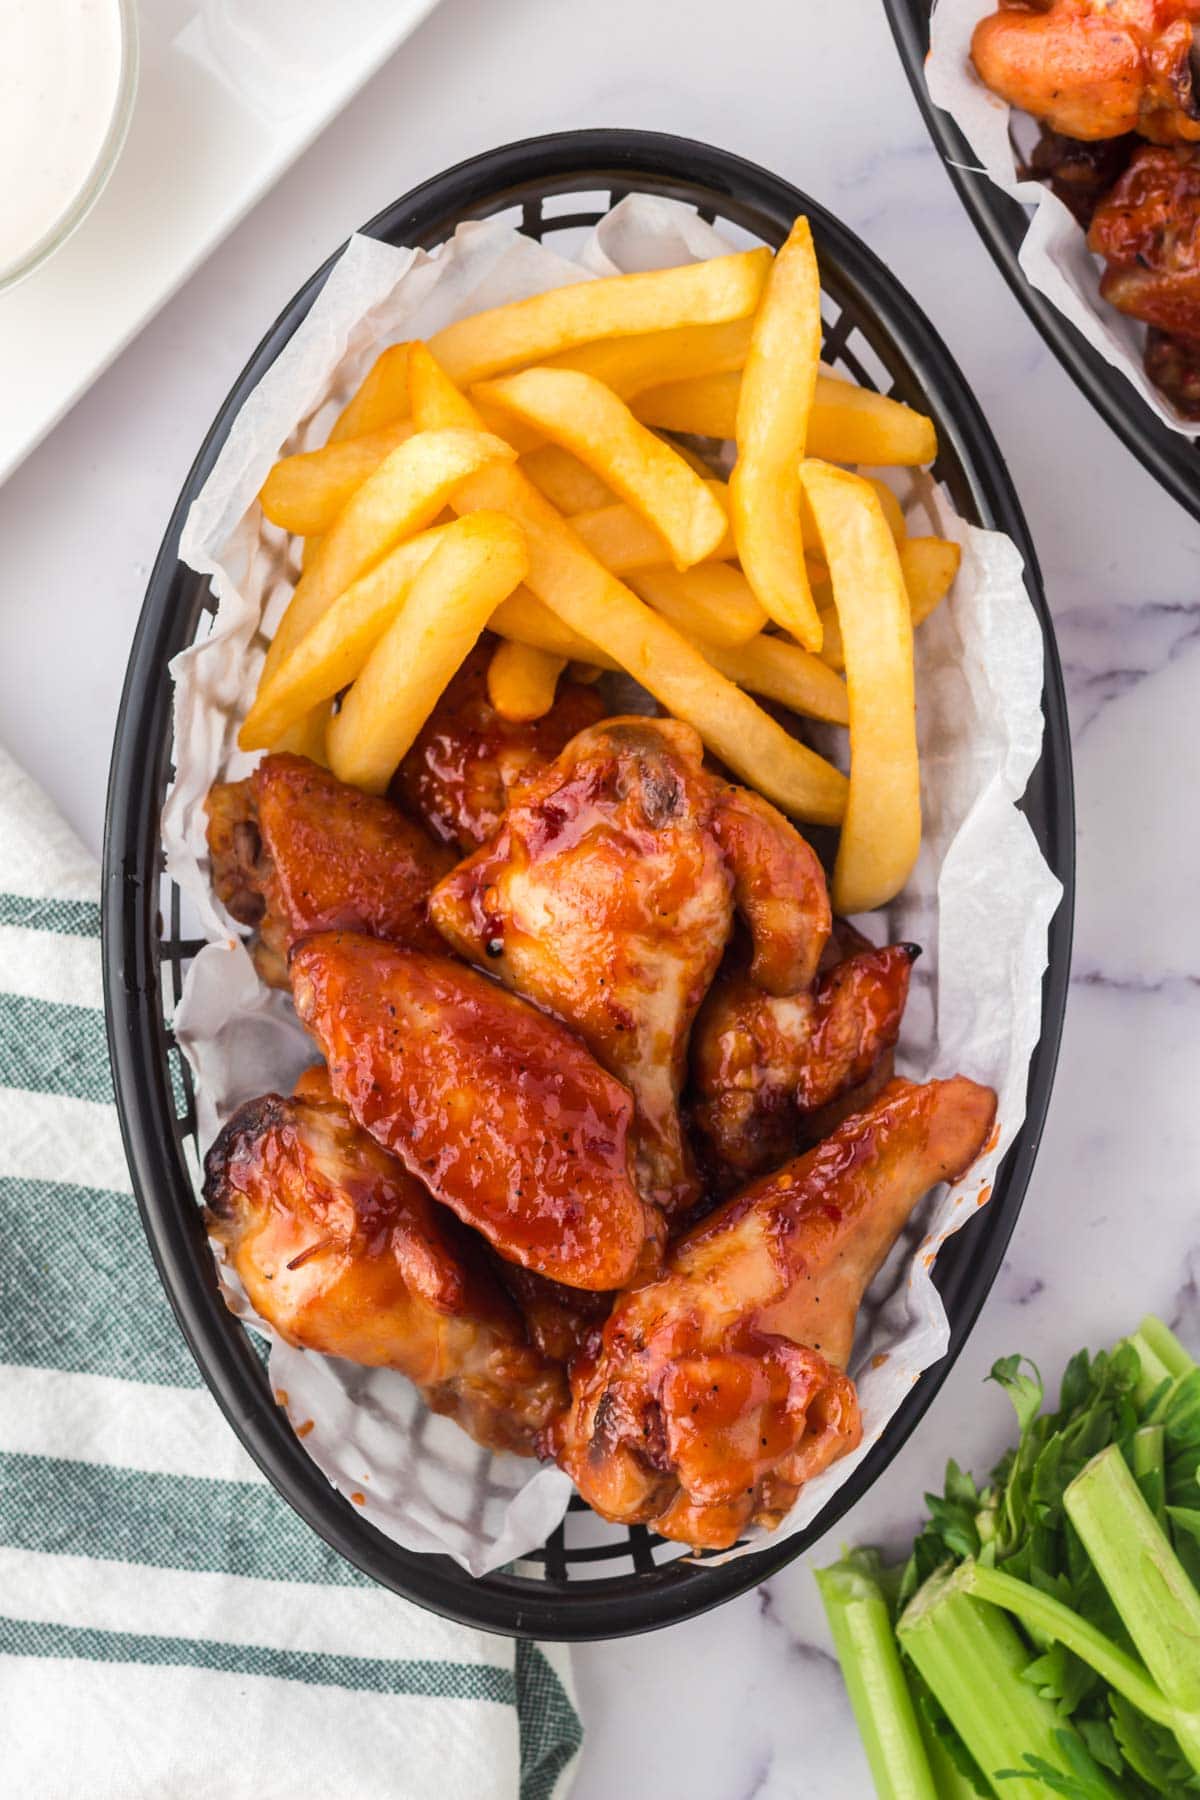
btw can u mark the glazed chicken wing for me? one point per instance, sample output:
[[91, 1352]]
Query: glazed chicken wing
[[458, 775], [608, 895], [714, 1392], [1148, 227], [1096, 68], [344, 1252], [766, 1068], [294, 850], [498, 1109]]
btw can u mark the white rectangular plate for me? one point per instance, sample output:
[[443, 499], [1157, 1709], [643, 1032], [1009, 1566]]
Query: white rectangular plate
[[230, 93]]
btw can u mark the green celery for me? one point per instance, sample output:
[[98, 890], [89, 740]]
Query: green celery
[[973, 1660], [1162, 1343], [1147, 1583], [1149, 1468], [879, 1694]]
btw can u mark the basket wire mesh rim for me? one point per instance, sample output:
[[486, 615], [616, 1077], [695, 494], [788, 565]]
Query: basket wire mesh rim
[[552, 1603]]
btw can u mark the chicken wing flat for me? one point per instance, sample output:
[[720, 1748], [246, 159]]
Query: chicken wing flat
[[765, 1067], [343, 1251], [499, 1110], [294, 850], [1096, 68], [458, 775], [1148, 228], [608, 895], [714, 1392]]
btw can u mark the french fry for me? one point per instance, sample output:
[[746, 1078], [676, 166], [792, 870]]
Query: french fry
[[893, 512], [774, 402], [630, 365], [782, 671], [528, 331], [847, 424], [522, 681], [407, 491], [583, 672], [566, 482], [332, 653], [623, 541], [601, 611], [588, 419], [477, 563], [929, 565], [881, 832], [524, 620], [308, 551], [305, 493], [712, 602], [307, 736], [381, 399]]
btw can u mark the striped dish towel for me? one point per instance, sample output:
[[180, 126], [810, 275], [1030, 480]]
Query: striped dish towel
[[168, 1626]]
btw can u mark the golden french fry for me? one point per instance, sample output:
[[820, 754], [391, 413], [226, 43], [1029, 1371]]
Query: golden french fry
[[305, 493], [477, 563], [583, 672], [524, 620], [780, 670], [705, 293], [776, 396], [929, 565], [503, 425], [381, 399], [308, 551], [893, 512], [406, 492], [630, 365], [712, 602], [623, 541], [331, 654], [307, 736], [599, 609], [585, 417], [847, 424], [881, 832], [566, 482], [522, 681]]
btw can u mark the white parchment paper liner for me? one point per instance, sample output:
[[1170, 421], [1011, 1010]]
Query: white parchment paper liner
[[1054, 254], [980, 899]]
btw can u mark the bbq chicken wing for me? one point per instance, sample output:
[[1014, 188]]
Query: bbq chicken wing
[[460, 771], [499, 1110], [1148, 227], [1096, 68], [294, 850], [343, 1251], [766, 1068], [608, 895], [714, 1392]]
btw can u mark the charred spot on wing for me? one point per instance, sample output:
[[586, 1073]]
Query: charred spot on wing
[[662, 793]]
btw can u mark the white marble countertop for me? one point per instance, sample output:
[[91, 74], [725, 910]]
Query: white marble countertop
[[746, 1701]]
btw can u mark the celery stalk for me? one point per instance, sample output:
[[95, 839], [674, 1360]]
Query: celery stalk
[[1149, 1469], [1162, 1343], [972, 1658], [1147, 1583], [866, 1648]]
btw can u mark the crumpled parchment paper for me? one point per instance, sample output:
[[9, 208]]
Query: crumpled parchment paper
[[979, 901]]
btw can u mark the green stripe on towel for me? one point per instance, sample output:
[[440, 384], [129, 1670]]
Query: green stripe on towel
[[67, 918], [166, 1521], [78, 1290], [550, 1728], [50, 1048], [426, 1680]]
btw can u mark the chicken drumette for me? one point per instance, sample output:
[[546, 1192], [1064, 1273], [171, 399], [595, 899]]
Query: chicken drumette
[[458, 775], [1096, 68], [1148, 228], [294, 850], [608, 896], [498, 1109], [714, 1392], [343, 1251]]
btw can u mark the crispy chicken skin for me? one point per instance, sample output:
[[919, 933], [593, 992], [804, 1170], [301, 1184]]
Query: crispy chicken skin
[[1148, 228], [1097, 68], [344, 1252], [608, 896], [765, 1067], [498, 1109], [457, 777], [714, 1392], [294, 850]]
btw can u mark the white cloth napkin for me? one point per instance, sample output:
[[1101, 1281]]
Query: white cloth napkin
[[168, 1626]]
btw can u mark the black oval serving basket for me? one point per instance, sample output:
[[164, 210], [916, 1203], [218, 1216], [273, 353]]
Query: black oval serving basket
[[1002, 221], [588, 1580]]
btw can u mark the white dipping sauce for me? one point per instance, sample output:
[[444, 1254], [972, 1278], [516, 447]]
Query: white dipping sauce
[[60, 74]]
